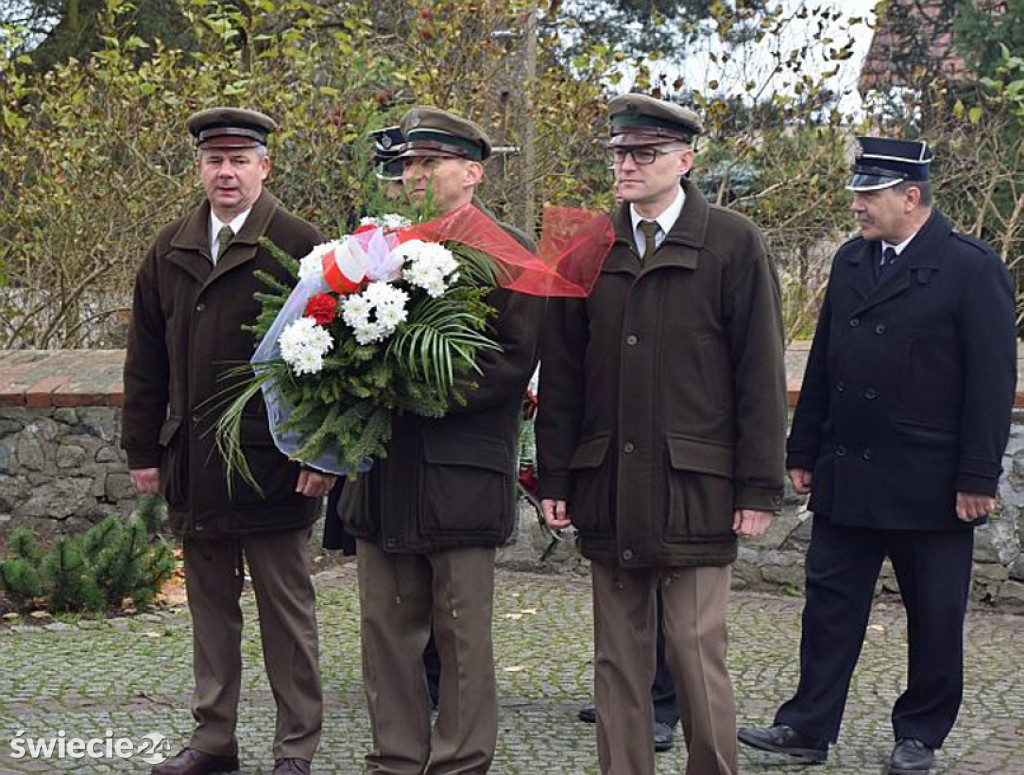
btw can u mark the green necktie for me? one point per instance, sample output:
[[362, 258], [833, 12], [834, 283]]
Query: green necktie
[[223, 238], [650, 230]]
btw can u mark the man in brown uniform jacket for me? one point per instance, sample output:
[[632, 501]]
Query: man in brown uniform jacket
[[194, 292], [429, 515], [660, 435]]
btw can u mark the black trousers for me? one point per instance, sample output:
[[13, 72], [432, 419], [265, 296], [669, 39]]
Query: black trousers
[[933, 569]]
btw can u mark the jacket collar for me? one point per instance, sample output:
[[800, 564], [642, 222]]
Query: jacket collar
[[919, 259], [192, 240], [687, 236]]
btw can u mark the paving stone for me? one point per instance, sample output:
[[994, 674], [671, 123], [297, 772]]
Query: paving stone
[[134, 677]]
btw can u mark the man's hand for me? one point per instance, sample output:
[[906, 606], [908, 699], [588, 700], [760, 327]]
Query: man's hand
[[556, 514], [750, 522], [972, 505], [801, 479], [146, 480], [313, 484]]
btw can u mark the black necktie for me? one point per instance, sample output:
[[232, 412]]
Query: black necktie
[[888, 257]]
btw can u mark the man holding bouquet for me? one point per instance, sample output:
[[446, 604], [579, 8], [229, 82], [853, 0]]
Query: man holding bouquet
[[429, 515], [193, 294]]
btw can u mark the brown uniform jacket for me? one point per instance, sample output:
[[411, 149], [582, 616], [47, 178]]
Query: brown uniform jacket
[[187, 319], [662, 396], [451, 482]]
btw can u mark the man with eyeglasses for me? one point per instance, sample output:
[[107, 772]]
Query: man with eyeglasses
[[660, 435]]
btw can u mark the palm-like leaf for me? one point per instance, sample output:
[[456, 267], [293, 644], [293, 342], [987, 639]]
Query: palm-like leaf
[[438, 341]]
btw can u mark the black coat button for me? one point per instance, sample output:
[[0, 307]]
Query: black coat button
[[870, 394], [629, 446], [840, 451], [200, 307], [627, 554], [854, 322], [880, 329], [840, 386], [632, 339], [868, 454]]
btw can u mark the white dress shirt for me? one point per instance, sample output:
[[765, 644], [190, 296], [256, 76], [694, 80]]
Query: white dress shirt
[[665, 221], [898, 248], [216, 224]]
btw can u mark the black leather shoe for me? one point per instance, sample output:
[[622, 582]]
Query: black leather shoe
[[588, 714], [191, 761], [664, 737], [911, 757], [784, 739]]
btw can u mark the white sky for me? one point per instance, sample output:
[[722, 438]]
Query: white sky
[[755, 62]]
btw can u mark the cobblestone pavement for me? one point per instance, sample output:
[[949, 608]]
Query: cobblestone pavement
[[133, 677]]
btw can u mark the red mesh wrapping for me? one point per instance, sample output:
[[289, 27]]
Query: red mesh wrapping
[[572, 248]]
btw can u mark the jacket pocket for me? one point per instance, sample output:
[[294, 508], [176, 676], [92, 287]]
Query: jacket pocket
[[174, 463], [590, 503], [273, 472], [466, 487], [700, 490]]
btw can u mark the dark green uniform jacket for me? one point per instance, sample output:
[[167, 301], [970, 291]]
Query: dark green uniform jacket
[[662, 396], [451, 482], [187, 320]]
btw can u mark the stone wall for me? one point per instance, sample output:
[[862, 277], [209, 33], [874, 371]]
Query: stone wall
[[62, 469]]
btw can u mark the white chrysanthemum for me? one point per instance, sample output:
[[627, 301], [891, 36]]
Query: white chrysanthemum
[[375, 313], [356, 310], [387, 221], [395, 221], [303, 344], [428, 265], [311, 267]]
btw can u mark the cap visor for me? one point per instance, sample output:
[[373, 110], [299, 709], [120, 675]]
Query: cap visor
[[862, 182], [636, 140]]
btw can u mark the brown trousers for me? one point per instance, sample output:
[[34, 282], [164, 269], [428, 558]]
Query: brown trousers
[[279, 567], [694, 605], [399, 596]]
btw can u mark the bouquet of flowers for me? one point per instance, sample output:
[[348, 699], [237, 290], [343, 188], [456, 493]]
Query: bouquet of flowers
[[388, 319]]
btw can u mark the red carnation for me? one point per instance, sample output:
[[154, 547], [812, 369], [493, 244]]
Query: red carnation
[[322, 307]]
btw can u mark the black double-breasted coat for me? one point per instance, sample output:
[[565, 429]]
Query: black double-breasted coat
[[909, 384]]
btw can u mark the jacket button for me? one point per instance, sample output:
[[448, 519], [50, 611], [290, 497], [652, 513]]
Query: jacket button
[[632, 339], [870, 394], [854, 322], [390, 543], [200, 307], [880, 329], [195, 417], [840, 386], [840, 451], [629, 446], [199, 527], [627, 554], [868, 454]]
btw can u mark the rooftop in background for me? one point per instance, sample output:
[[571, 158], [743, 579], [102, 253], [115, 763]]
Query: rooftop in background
[[913, 31]]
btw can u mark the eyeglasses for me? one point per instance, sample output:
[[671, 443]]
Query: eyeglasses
[[642, 155]]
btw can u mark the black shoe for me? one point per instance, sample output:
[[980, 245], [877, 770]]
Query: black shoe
[[911, 757], [784, 739], [191, 761], [664, 737], [588, 714]]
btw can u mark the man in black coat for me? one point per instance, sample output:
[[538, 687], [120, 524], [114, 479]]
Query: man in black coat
[[898, 437]]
